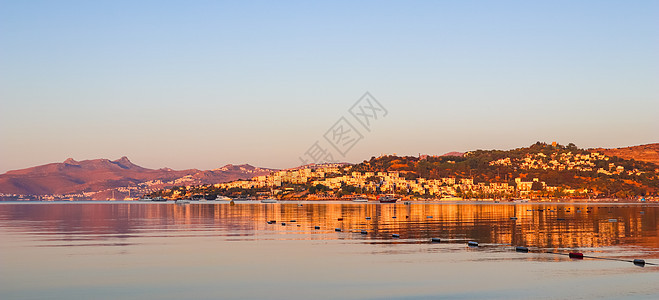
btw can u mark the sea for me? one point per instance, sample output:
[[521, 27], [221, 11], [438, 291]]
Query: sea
[[328, 250]]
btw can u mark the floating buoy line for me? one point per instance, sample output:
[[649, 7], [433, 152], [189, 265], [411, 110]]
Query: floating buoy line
[[521, 249]]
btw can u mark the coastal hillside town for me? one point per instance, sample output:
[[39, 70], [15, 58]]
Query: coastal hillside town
[[541, 171]]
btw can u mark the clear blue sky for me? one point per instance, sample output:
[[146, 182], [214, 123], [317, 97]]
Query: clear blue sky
[[199, 84]]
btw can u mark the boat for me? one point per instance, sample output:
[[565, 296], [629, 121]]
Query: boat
[[242, 198], [219, 197], [360, 199], [159, 199], [182, 201], [388, 199], [146, 199], [269, 200], [521, 200], [450, 198], [197, 197]]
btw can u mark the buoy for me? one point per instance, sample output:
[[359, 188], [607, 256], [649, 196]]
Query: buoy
[[639, 262], [395, 235], [283, 224], [317, 227], [513, 218], [521, 249], [435, 240], [393, 217], [337, 229], [368, 218], [472, 244], [576, 255], [364, 232]]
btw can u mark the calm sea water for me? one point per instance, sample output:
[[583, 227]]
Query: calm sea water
[[120, 250]]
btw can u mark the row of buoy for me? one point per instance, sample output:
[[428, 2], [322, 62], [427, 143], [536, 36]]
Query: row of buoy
[[580, 255], [522, 249]]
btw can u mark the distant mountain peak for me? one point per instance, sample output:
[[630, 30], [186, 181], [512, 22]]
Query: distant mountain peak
[[123, 160], [125, 163]]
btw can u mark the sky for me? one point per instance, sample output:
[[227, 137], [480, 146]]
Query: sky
[[200, 84]]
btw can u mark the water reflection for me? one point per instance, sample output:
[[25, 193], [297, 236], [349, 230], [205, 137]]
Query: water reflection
[[534, 225]]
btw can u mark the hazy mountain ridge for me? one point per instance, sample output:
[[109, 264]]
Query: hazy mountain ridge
[[104, 178]]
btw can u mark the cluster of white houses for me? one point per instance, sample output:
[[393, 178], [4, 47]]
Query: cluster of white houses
[[330, 175], [566, 161]]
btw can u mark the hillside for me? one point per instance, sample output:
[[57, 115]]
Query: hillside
[[556, 165], [647, 153], [547, 171]]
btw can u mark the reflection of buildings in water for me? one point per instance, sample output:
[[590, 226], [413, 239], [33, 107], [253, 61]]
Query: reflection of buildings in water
[[535, 224]]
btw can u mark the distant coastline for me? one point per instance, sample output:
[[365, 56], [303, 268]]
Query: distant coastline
[[541, 172]]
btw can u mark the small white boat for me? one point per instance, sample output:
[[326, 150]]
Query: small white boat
[[225, 198], [360, 199], [269, 201], [182, 201]]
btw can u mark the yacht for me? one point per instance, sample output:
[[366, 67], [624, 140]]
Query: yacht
[[242, 198], [182, 201], [270, 200], [388, 199], [225, 198], [360, 199]]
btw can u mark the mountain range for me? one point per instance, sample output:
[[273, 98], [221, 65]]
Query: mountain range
[[104, 178]]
